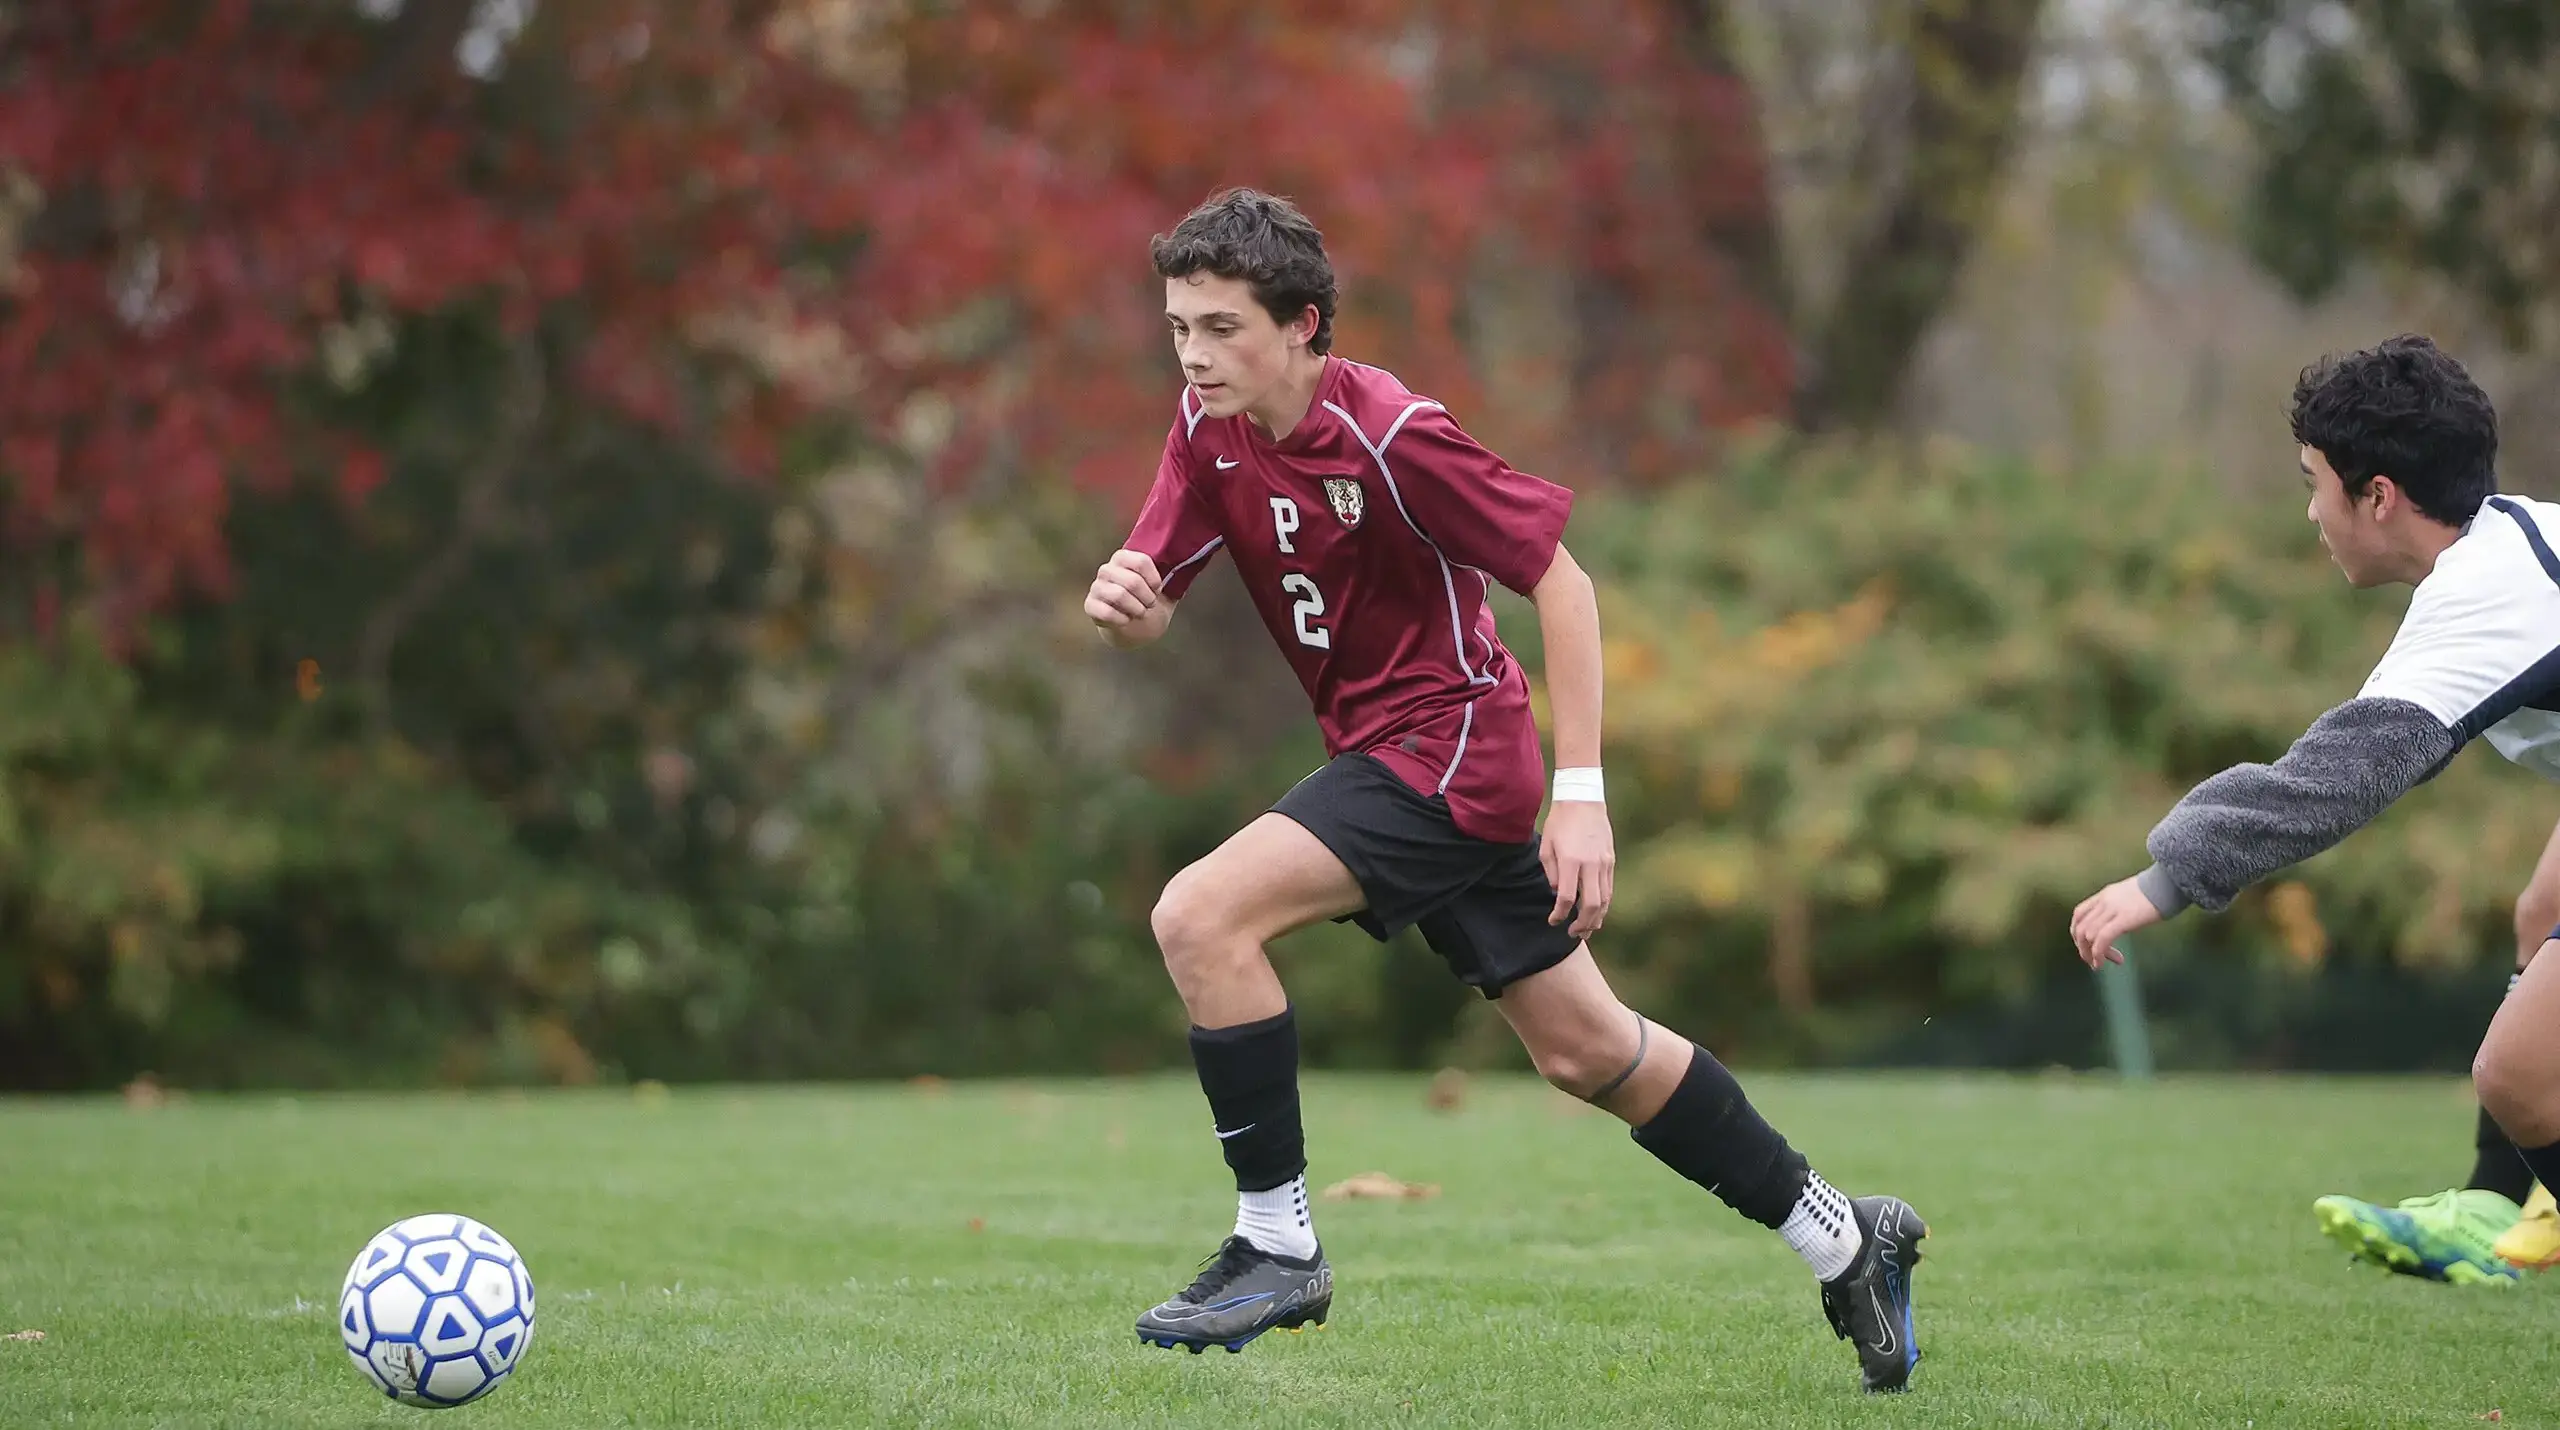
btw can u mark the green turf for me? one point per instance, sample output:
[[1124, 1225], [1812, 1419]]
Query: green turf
[[974, 1256]]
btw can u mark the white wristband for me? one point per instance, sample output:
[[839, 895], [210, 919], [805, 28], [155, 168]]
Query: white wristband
[[1579, 786]]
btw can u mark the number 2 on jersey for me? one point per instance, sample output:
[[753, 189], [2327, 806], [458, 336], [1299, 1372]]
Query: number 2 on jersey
[[1310, 605]]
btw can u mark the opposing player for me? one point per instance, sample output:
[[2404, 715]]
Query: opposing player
[[2399, 448], [1367, 528], [2474, 1234]]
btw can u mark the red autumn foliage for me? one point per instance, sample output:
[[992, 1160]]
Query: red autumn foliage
[[876, 204]]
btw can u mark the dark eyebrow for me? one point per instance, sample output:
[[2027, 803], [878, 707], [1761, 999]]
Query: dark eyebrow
[[1222, 315]]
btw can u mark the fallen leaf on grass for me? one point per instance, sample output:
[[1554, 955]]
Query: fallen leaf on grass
[[1448, 1090], [23, 1336], [1379, 1186], [2492, 1415]]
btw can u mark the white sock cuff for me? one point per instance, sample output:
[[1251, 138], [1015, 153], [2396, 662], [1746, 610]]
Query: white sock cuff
[[1278, 1220], [1823, 1228]]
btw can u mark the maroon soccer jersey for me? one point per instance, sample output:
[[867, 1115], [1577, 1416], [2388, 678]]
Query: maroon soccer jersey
[[1367, 540]]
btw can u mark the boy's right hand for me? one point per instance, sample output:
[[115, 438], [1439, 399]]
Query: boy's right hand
[[1124, 591]]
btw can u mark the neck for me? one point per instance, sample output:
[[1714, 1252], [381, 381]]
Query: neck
[[2426, 541], [1280, 413]]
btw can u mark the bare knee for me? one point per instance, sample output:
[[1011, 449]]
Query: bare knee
[[2523, 1107], [1581, 1062], [1570, 1069], [1189, 921]]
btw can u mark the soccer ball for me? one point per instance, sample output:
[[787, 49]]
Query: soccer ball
[[436, 1310]]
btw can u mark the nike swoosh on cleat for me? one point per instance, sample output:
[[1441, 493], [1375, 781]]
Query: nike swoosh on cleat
[[1237, 1303], [1889, 1256], [1175, 1315]]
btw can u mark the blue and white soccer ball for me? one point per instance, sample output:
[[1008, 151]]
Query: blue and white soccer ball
[[436, 1310]]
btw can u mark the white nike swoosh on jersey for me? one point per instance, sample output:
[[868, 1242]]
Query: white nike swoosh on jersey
[[1223, 1134], [1226, 462]]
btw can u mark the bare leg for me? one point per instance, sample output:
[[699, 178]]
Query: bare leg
[[1583, 1039], [1686, 1108], [1212, 922], [2495, 1164], [1688, 1111], [2538, 907], [2517, 1073]]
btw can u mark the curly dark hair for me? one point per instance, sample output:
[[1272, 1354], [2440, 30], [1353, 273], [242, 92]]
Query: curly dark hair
[[1264, 240], [2406, 409]]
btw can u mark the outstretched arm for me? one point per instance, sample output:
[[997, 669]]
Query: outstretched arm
[[2251, 820], [1578, 850]]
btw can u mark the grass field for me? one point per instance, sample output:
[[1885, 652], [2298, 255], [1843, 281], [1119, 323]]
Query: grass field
[[974, 1255]]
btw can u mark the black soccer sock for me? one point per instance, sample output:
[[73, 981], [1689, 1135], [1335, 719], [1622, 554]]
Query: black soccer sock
[[1709, 1133], [2496, 1165], [2544, 1162], [1250, 1072]]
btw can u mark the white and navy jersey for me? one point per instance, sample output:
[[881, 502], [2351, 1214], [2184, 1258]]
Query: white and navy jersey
[[2480, 647], [2477, 654]]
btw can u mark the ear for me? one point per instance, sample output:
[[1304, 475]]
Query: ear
[[2386, 496], [1302, 328]]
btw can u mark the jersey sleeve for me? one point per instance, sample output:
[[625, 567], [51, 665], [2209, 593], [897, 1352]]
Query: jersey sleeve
[[1176, 528], [2251, 820], [1472, 504]]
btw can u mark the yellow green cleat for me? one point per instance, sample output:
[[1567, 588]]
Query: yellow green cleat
[[2449, 1236]]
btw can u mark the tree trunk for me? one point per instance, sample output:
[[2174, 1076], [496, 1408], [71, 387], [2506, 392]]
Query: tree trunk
[[1966, 58]]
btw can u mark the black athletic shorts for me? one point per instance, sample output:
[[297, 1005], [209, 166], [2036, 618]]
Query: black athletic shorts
[[1482, 906]]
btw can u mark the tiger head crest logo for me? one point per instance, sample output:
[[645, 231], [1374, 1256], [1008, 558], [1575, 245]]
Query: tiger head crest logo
[[1344, 493]]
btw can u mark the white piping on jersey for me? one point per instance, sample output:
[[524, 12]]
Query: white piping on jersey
[[1465, 724], [1198, 556], [1448, 581], [1191, 415]]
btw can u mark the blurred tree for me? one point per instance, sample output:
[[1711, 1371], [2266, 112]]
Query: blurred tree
[[892, 212], [1891, 125], [226, 196], [2419, 134], [375, 377]]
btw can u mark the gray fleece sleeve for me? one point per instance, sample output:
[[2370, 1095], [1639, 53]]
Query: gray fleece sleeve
[[2251, 820]]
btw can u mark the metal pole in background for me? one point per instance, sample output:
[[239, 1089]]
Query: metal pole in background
[[2128, 1035]]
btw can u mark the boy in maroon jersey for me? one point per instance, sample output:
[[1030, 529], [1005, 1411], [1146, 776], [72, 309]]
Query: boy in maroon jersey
[[1368, 528]]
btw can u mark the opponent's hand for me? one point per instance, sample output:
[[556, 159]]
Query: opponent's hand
[[1124, 591], [1581, 859], [2108, 915]]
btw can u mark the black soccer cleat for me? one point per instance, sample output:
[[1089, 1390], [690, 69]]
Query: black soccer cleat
[[1869, 1305], [1242, 1292]]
